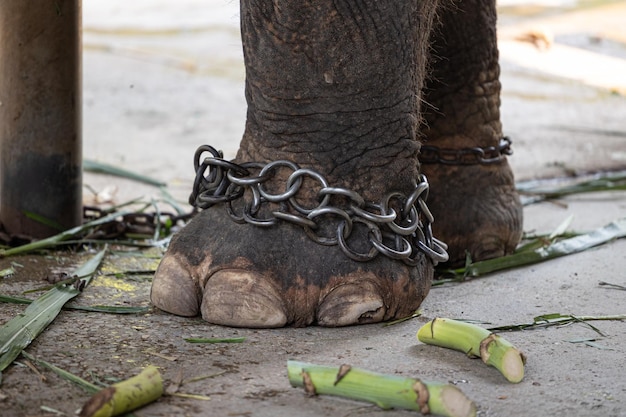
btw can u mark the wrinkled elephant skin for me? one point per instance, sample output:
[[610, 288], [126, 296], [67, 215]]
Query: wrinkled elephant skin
[[342, 88]]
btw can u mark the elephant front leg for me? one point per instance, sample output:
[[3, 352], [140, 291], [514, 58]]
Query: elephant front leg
[[473, 193], [331, 86]]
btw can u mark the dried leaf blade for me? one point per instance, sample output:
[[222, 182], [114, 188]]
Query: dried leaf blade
[[19, 332], [614, 230]]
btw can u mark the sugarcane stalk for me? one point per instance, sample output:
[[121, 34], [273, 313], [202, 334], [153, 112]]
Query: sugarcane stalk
[[475, 341], [126, 395], [386, 391]]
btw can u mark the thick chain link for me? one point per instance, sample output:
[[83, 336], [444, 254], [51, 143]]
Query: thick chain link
[[398, 226], [466, 156]]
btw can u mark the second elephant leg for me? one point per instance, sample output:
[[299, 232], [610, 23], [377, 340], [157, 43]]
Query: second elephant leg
[[473, 197]]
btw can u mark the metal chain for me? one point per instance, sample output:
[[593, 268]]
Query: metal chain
[[138, 223], [398, 226], [466, 156]]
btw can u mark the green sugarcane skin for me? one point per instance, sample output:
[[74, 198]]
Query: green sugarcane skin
[[386, 391], [453, 334], [475, 341], [126, 395]]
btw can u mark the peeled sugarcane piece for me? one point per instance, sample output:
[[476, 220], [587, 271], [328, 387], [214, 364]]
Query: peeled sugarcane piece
[[125, 396], [475, 341], [386, 391]]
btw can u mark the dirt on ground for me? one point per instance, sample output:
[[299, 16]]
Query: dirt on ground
[[153, 96]]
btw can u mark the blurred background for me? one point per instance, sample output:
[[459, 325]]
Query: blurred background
[[163, 77]]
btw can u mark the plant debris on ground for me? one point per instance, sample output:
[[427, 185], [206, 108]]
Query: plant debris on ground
[[148, 226]]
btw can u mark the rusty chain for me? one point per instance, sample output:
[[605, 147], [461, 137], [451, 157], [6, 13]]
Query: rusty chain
[[398, 226], [466, 156]]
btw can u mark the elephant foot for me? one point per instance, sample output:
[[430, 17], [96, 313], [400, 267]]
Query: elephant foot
[[243, 275], [282, 247], [477, 209], [239, 297]]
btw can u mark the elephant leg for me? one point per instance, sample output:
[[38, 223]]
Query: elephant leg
[[472, 195], [331, 86]]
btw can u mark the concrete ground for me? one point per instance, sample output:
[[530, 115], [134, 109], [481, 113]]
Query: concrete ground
[[162, 78]]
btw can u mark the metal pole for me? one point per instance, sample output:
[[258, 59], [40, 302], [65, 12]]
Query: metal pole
[[40, 116]]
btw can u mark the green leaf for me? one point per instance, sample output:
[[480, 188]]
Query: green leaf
[[536, 191], [415, 314], [552, 318], [58, 238], [614, 230], [102, 168], [557, 319], [589, 341], [112, 309], [87, 386], [562, 228], [167, 197], [44, 220], [19, 332], [14, 300], [96, 308], [597, 346]]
